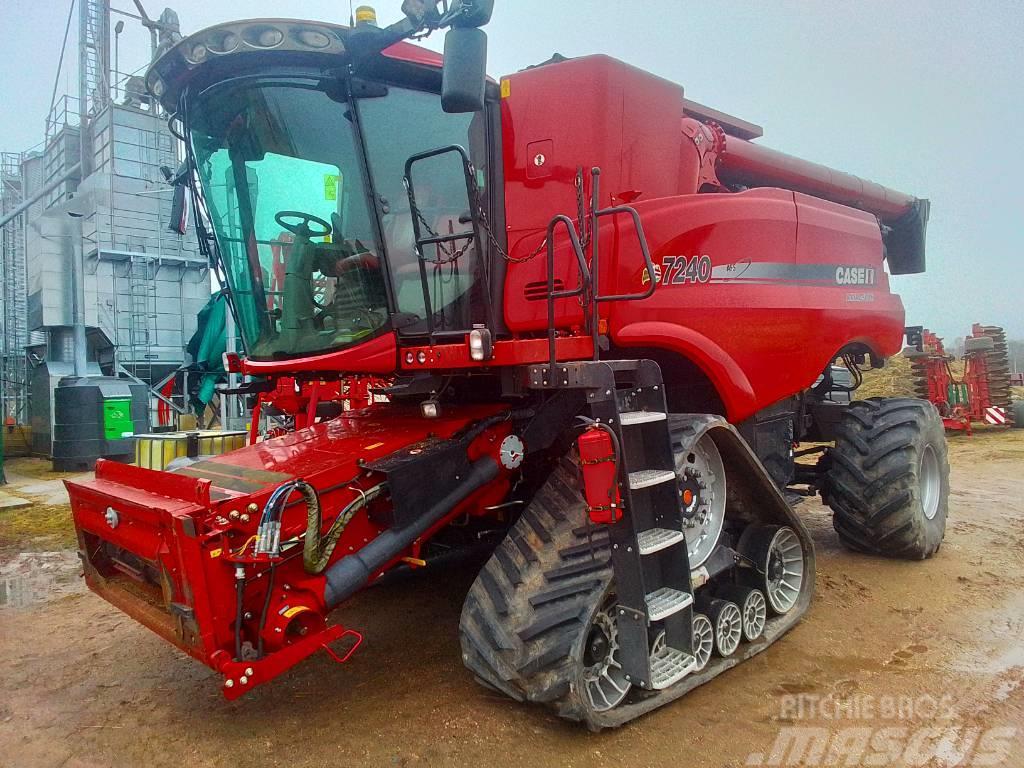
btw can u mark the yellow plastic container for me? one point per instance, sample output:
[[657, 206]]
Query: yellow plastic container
[[158, 450]]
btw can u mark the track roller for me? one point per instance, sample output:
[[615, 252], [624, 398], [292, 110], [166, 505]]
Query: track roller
[[703, 640], [753, 609], [727, 621]]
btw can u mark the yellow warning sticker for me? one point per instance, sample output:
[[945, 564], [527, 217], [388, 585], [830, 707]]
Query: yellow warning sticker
[[216, 552], [331, 186], [292, 611], [506, 88]]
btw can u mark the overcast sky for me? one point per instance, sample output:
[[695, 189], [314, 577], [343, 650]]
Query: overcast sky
[[926, 97]]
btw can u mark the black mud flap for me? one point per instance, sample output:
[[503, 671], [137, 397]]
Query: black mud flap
[[752, 497]]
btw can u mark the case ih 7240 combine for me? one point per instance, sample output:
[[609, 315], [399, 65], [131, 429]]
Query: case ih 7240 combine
[[599, 312]]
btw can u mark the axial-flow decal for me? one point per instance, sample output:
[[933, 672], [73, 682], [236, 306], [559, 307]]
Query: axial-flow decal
[[683, 270]]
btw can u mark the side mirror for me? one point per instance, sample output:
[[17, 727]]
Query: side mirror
[[179, 202], [465, 70], [179, 212]]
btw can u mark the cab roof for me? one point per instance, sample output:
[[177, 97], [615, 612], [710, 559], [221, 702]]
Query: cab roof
[[239, 46]]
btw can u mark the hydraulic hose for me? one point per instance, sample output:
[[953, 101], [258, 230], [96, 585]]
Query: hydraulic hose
[[268, 536], [317, 549], [353, 572]]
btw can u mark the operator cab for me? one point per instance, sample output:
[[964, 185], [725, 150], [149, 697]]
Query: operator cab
[[342, 201]]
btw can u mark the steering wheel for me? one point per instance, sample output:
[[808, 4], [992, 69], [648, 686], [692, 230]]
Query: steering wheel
[[302, 229]]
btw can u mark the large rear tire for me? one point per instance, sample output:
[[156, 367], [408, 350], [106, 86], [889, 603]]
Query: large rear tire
[[888, 484], [532, 624]]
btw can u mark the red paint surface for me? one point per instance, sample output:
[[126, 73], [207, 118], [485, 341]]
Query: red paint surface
[[183, 527], [758, 342]]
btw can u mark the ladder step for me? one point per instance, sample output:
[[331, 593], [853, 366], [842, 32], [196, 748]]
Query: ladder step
[[656, 539], [669, 666], [629, 418], [663, 602], [645, 478]]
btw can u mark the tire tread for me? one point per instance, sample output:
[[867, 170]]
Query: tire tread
[[873, 483]]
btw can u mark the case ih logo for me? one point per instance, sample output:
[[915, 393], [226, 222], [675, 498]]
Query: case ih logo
[[855, 276]]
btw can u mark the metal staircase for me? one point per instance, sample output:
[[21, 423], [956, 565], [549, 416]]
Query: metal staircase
[[648, 546], [649, 555]]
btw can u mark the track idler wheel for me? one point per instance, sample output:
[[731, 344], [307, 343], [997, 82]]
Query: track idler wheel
[[776, 557]]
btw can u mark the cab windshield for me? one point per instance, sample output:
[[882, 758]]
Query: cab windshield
[[285, 195]]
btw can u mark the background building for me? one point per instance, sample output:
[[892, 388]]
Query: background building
[[144, 284]]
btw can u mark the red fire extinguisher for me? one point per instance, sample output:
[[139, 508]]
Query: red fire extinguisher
[[600, 474]]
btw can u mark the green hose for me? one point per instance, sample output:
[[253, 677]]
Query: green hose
[[317, 549]]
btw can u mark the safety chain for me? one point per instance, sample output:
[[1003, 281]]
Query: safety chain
[[581, 211], [452, 255]]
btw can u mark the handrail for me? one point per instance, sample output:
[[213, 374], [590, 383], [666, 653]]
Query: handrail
[[589, 286], [644, 249], [584, 287], [438, 240], [596, 213]]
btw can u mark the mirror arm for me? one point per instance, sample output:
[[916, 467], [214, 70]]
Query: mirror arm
[[368, 40]]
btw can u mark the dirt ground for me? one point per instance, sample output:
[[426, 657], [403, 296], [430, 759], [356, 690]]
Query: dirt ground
[[928, 648]]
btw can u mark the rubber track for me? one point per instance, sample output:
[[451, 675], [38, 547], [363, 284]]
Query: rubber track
[[873, 485], [524, 617]]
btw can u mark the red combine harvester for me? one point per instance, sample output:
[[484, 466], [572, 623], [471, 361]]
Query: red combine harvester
[[604, 317], [980, 394]]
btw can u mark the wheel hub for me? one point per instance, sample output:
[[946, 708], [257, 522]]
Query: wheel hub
[[691, 495], [930, 481], [598, 645], [702, 498]]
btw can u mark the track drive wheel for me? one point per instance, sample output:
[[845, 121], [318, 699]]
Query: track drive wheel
[[888, 485], [535, 624]]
